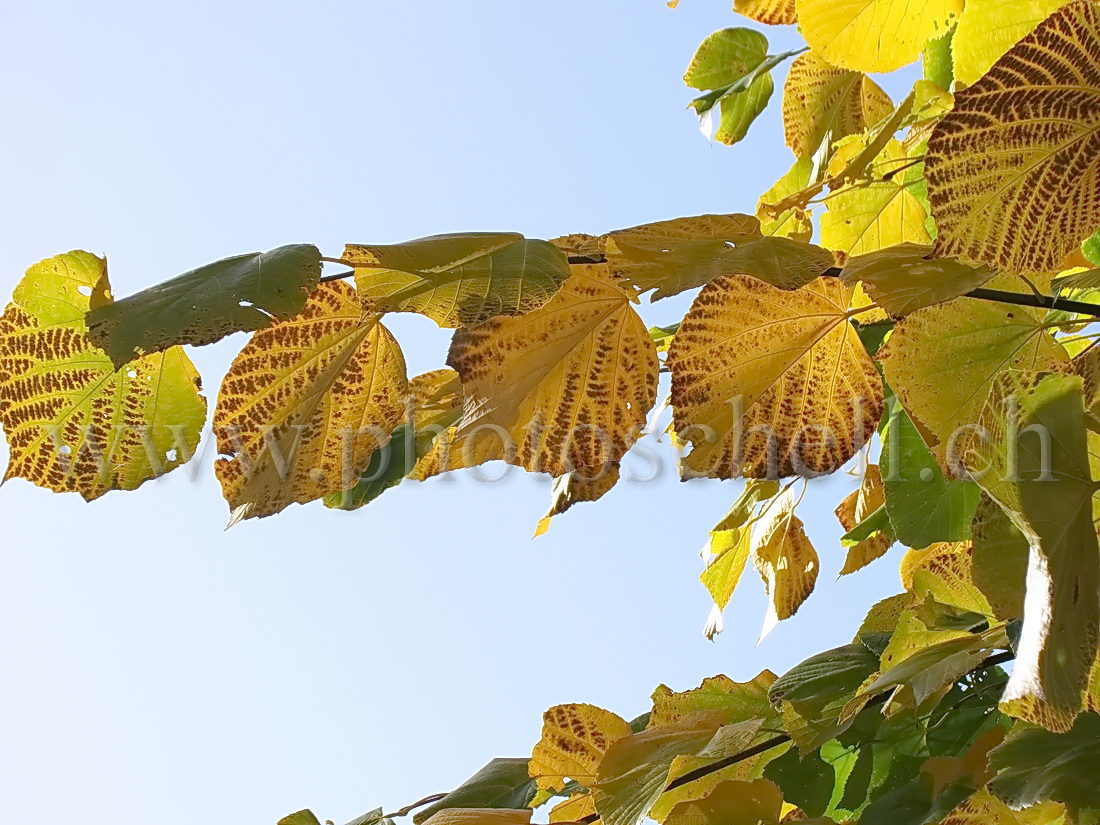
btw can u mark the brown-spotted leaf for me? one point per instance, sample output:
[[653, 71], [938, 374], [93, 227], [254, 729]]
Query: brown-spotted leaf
[[771, 12], [573, 488], [769, 383], [739, 700], [853, 510], [306, 403], [788, 564], [824, 102], [574, 740], [564, 388], [1012, 170], [74, 423], [733, 802]]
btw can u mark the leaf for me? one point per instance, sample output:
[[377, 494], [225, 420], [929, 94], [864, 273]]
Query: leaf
[[245, 292], [479, 816], [1019, 155], [793, 222], [733, 802], [971, 341], [574, 741], [805, 781], [432, 405], [1035, 465], [738, 700], [575, 487], [982, 808], [873, 35], [1034, 765], [924, 506], [945, 571], [855, 509], [731, 62], [788, 564], [989, 28], [300, 818], [902, 278], [73, 423], [999, 560], [867, 216], [306, 403], [729, 545], [751, 408], [461, 279], [739, 109], [502, 783], [564, 388], [825, 676], [635, 769], [822, 102], [771, 12]]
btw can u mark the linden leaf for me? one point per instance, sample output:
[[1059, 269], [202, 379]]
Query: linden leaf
[[769, 383], [856, 508], [902, 279], [574, 741], [74, 423], [759, 802], [573, 488], [306, 403], [1035, 765], [824, 102], [788, 564], [503, 783], [945, 571], [989, 28], [873, 35], [738, 700], [564, 388], [479, 816], [432, 406], [1019, 156], [731, 62], [1033, 461], [242, 293], [999, 560], [792, 222], [461, 279], [770, 12], [985, 809], [971, 341], [866, 216]]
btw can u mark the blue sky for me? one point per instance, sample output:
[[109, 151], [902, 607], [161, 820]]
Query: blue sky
[[159, 669]]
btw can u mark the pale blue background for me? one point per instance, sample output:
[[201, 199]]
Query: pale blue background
[[156, 669]]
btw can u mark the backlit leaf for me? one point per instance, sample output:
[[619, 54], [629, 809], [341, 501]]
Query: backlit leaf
[[989, 28], [564, 388], [459, 280], [758, 802], [793, 222], [750, 407], [573, 488], [1018, 157], [856, 508], [574, 741], [788, 564], [971, 341], [73, 423], [902, 278], [772, 12], [300, 818], [999, 560], [738, 700], [985, 809], [479, 816], [1035, 465], [822, 101], [306, 403], [503, 783], [945, 571], [729, 63], [1034, 766], [873, 35], [245, 292]]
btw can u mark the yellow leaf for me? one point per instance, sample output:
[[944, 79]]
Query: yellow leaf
[[945, 571], [479, 816], [734, 802], [999, 560], [867, 216], [903, 278], [305, 403], [574, 741], [982, 808], [971, 768], [572, 488], [788, 564], [873, 35], [459, 280], [771, 12], [823, 102], [1018, 157], [769, 383], [971, 341], [74, 423], [574, 809], [989, 28], [793, 222], [739, 700], [564, 388], [853, 510]]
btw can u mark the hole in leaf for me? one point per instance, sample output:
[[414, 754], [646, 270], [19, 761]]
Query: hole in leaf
[[84, 290], [131, 374], [65, 449], [171, 454]]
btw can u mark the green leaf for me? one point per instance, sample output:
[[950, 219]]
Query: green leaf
[[242, 293], [1034, 463], [924, 507], [824, 676], [1034, 765], [1091, 248], [999, 558], [806, 781], [369, 818], [725, 57], [503, 783], [461, 279], [738, 109], [300, 818], [877, 522]]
